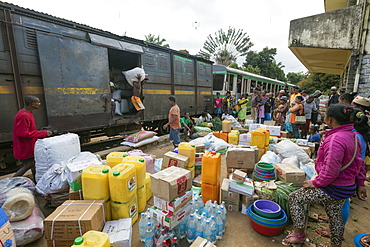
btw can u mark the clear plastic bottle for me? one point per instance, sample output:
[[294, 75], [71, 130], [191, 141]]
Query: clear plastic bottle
[[223, 216], [183, 228], [157, 233], [196, 204], [190, 232], [207, 232], [199, 228], [213, 227], [175, 242], [142, 226], [149, 236], [219, 225], [200, 203]]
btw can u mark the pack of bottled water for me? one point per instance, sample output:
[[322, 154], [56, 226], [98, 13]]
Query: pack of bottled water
[[205, 220]]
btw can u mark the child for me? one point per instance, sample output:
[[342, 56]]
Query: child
[[217, 105], [314, 135]]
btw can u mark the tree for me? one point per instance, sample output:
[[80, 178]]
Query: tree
[[294, 78], [151, 38], [225, 47], [184, 51], [319, 81], [265, 61], [254, 70], [234, 66]]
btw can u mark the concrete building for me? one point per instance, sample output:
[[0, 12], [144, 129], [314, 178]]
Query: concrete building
[[336, 42]]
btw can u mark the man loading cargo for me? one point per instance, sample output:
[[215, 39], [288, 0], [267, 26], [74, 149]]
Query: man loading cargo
[[136, 98], [25, 136]]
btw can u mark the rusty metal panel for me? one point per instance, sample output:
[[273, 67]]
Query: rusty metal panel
[[75, 77], [104, 41], [131, 47]]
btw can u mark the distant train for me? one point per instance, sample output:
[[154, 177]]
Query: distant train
[[225, 79], [69, 66]]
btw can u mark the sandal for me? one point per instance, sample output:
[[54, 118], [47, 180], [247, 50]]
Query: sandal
[[294, 235], [324, 218], [325, 232]]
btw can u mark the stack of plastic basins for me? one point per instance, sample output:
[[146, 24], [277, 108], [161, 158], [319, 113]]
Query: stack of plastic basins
[[123, 189], [211, 171], [264, 172], [115, 158], [188, 150], [95, 185], [140, 167]]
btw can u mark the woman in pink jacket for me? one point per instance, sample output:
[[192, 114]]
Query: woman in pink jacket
[[341, 172]]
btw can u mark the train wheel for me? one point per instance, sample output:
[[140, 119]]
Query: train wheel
[[162, 131]]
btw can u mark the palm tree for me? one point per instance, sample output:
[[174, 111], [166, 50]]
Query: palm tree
[[225, 47], [151, 38]]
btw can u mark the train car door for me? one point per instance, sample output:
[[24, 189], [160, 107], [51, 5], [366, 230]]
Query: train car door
[[76, 82]]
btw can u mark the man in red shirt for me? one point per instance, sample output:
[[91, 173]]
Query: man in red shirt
[[25, 136], [173, 121]]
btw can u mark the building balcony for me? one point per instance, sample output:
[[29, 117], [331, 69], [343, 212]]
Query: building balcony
[[324, 43]]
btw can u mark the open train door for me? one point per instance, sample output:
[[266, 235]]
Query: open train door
[[75, 75]]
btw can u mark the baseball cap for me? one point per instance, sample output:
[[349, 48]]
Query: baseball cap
[[362, 101], [333, 88]]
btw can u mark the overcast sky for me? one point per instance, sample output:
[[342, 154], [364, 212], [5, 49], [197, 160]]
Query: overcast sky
[[186, 24]]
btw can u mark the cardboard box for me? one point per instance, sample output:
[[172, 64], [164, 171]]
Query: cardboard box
[[176, 204], [200, 148], [269, 123], [198, 160], [232, 207], [245, 139], [73, 218], [227, 196], [274, 130], [60, 243], [285, 134], [75, 195], [249, 200], [171, 182], [120, 232], [174, 159], [246, 188], [248, 171], [256, 126], [239, 176], [237, 157], [170, 220], [307, 150], [201, 242], [289, 173], [261, 152]]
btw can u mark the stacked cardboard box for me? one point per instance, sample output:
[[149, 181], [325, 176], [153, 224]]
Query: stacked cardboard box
[[172, 196], [289, 173], [120, 232], [231, 199], [241, 158]]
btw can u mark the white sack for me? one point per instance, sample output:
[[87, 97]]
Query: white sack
[[287, 148], [211, 142], [133, 75], [19, 204], [54, 180], [54, 150], [270, 157]]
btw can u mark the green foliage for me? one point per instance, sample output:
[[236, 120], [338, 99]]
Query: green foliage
[[319, 81], [151, 38], [251, 69], [217, 124], [184, 51], [265, 61], [234, 66], [225, 47], [294, 78]]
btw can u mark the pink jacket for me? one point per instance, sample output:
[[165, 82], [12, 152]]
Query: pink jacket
[[334, 153]]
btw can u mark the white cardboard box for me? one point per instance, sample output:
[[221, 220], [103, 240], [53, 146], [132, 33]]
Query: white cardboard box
[[120, 232], [174, 205], [274, 130]]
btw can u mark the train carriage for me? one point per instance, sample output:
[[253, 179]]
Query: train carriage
[[69, 66]]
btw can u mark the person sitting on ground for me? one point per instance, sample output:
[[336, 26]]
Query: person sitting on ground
[[341, 172], [314, 135], [188, 124], [362, 240], [205, 117]]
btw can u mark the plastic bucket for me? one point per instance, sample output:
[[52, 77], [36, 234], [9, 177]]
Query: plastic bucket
[[279, 220], [265, 230], [266, 208]]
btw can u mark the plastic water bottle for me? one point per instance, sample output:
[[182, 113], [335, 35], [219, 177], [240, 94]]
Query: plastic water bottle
[[149, 236], [223, 204], [219, 225], [213, 211], [176, 231], [142, 227], [192, 207], [183, 228], [223, 216], [175, 242], [190, 232], [201, 203], [208, 206], [207, 232], [213, 228], [196, 204], [196, 212], [199, 228]]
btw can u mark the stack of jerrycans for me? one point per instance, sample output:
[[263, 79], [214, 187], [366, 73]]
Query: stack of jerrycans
[[95, 185], [115, 158], [211, 172], [188, 150], [140, 167], [123, 189]]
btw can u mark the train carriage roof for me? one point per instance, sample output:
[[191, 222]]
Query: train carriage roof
[[64, 22], [248, 74]]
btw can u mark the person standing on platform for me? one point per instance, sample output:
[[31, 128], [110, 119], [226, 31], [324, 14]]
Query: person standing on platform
[[218, 105], [254, 104], [334, 97], [294, 95], [173, 121], [25, 136], [228, 103], [269, 106]]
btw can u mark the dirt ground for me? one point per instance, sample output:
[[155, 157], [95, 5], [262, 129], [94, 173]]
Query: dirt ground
[[239, 233]]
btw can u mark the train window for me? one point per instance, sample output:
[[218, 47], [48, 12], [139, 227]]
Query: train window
[[149, 60], [218, 81], [200, 69], [231, 82], [178, 66], [189, 67], [162, 62]]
